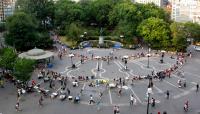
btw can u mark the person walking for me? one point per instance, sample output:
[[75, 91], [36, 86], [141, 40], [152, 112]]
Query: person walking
[[167, 94], [197, 87], [153, 102], [40, 101], [116, 109], [91, 100], [120, 92], [17, 107], [99, 104], [68, 91]]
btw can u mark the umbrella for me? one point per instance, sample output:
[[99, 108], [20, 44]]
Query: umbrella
[[148, 55], [71, 55], [125, 56], [163, 51], [97, 57]]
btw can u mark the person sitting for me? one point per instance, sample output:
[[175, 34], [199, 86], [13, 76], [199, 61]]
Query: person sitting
[[91, 84], [77, 99]]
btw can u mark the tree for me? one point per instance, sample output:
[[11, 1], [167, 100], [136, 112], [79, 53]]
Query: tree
[[43, 10], [126, 19], [155, 31], [151, 10], [193, 30], [100, 10], [2, 26], [23, 69], [21, 31], [67, 12], [74, 32], [7, 58], [179, 34]]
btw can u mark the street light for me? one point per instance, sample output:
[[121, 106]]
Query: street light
[[162, 56], [149, 92], [82, 59], [71, 56], [98, 58], [108, 59], [122, 37], [148, 55], [125, 57]]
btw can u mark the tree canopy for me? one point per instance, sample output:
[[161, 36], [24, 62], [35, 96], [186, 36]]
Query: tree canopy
[[21, 31], [155, 31], [193, 30], [42, 10], [179, 36], [23, 69], [117, 17], [7, 58]]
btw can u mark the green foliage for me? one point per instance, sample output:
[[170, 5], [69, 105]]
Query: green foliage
[[7, 58], [73, 32], [67, 12], [21, 31], [100, 11], [42, 10], [155, 31], [43, 40], [151, 10], [23, 69], [193, 30], [179, 36], [2, 26]]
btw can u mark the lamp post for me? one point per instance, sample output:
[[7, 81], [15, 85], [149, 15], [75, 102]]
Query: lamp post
[[162, 56], [149, 91], [71, 56], [82, 59], [148, 55], [125, 62], [108, 59], [98, 58], [125, 57], [122, 37], [98, 66]]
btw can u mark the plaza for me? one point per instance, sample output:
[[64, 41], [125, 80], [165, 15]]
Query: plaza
[[109, 71]]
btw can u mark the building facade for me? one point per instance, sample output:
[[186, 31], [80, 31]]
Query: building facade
[[185, 10], [6, 8], [156, 2]]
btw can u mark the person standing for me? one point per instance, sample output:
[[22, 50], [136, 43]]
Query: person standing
[[197, 87], [131, 100]]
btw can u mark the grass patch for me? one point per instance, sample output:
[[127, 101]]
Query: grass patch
[[68, 42]]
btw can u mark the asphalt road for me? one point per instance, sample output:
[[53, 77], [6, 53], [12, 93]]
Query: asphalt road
[[29, 102]]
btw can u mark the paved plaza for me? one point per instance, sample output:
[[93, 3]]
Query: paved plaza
[[108, 72]]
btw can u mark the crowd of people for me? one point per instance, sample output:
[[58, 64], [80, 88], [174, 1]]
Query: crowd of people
[[53, 78]]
